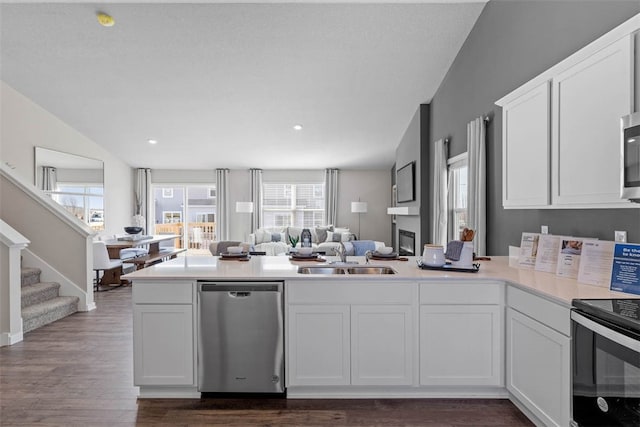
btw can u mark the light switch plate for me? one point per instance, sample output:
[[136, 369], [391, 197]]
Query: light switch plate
[[621, 236], [544, 229]]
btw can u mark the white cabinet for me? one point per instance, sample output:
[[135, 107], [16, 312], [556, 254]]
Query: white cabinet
[[588, 100], [319, 342], [461, 345], [461, 334], [538, 356], [526, 144], [163, 349], [561, 130], [381, 345], [356, 333]]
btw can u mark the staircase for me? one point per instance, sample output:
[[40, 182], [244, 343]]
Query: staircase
[[41, 303]]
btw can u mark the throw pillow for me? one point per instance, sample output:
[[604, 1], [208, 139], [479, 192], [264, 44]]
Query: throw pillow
[[341, 230], [321, 233], [276, 237], [333, 237]]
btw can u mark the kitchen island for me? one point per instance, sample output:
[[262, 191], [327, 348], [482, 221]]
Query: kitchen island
[[500, 332]]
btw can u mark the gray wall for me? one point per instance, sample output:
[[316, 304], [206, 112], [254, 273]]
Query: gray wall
[[511, 43], [409, 150]]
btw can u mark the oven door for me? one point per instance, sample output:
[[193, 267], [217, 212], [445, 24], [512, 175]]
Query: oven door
[[606, 373]]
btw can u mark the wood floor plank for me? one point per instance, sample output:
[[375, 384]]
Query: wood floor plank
[[79, 371]]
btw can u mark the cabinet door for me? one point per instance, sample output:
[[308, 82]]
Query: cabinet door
[[589, 99], [318, 345], [538, 368], [163, 345], [382, 345], [461, 345], [526, 144]]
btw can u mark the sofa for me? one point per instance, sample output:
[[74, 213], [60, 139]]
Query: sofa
[[327, 239]]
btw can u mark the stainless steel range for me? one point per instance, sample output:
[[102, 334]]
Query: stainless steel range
[[606, 362]]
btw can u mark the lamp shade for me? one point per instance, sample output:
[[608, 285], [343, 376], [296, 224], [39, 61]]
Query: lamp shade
[[358, 207], [244, 207]]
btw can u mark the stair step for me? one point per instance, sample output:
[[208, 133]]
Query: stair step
[[49, 311], [30, 275], [39, 292]]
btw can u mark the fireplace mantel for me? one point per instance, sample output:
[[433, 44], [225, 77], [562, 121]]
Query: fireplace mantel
[[403, 210]]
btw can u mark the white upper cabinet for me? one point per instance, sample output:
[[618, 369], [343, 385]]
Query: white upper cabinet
[[525, 149], [561, 130], [589, 99]]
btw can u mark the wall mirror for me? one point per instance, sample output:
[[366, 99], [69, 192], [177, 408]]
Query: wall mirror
[[75, 182]]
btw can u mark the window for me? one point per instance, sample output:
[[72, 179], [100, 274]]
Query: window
[[84, 201], [298, 205], [171, 217], [457, 189]]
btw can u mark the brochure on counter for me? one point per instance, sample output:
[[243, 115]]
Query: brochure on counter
[[528, 250], [625, 272], [596, 263], [569, 258], [548, 252]]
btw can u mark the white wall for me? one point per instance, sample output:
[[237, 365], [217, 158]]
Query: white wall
[[25, 125]]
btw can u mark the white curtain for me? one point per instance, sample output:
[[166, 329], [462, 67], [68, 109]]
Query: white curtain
[[256, 197], [331, 196], [142, 214], [222, 204], [439, 217], [49, 182], [477, 189]]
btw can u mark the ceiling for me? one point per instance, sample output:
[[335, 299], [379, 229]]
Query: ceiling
[[223, 84]]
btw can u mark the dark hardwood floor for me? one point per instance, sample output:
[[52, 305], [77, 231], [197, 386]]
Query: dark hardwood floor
[[78, 371]]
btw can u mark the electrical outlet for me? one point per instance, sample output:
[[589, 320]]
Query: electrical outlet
[[544, 229], [621, 236]]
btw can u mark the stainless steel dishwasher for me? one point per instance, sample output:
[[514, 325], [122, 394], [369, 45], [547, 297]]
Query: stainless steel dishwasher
[[240, 337]]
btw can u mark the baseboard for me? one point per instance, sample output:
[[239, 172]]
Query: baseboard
[[351, 392], [7, 338], [168, 392]]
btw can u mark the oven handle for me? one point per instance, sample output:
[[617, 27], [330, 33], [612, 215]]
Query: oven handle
[[614, 336]]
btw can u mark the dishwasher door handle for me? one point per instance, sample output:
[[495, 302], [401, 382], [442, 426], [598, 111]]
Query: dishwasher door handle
[[241, 294]]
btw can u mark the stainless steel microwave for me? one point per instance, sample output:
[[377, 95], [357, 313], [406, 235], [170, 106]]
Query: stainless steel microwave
[[630, 148]]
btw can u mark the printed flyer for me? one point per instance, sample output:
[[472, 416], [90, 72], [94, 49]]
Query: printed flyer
[[548, 250], [528, 250], [596, 263], [569, 258], [625, 274]]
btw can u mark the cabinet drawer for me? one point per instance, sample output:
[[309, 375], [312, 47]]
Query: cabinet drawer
[[462, 293], [544, 311], [163, 292], [352, 292]]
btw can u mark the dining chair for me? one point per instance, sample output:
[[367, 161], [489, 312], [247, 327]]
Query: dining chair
[[102, 262]]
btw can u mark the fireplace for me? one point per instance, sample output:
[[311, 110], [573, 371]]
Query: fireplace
[[406, 243]]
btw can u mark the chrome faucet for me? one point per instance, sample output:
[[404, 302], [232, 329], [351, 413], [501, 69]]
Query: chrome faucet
[[341, 251]]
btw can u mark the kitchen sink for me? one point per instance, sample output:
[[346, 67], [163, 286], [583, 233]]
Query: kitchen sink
[[323, 269], [371, 270]]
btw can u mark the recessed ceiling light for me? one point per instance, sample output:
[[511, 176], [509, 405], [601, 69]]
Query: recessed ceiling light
[[297, 127], [152, 141]]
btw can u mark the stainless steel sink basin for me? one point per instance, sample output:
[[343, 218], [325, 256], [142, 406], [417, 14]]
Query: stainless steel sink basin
[[370, 270], [323, 269]]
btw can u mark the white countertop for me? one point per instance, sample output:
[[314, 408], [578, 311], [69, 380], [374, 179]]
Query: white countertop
[[549, 285]]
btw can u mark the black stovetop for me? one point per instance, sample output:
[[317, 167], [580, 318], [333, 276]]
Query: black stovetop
[[622, 312]]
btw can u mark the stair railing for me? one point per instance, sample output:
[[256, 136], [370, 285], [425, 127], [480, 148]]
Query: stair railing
[[59, 240], [11, 245]]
